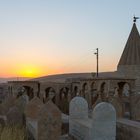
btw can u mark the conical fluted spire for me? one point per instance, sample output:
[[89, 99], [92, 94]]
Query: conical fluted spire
[[131, 53]]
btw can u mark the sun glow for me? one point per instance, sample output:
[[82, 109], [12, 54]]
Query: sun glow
[[29, 71]]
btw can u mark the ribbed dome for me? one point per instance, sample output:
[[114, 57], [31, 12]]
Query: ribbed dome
[[131, 53]]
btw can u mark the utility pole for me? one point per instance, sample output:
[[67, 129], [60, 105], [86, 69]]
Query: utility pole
[[97, 57]]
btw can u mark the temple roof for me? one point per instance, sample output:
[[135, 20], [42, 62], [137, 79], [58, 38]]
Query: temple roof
[[131, 53]]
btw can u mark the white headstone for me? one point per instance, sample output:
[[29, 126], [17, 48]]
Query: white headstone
[[104, 122], [78, 113], [78, 108]]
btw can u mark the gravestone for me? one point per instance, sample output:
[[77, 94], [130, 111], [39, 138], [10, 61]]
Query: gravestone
[[33, 107], [49, 122], [78, 112], [21, 103], [14, 116], [1, 110], [78, 108], [104, 122], [31, 112], [6, 104]]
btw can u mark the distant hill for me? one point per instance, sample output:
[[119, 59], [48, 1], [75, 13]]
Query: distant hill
[[50, 78], [4, 80], [61, 78]]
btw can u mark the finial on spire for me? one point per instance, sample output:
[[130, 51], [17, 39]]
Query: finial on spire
[[135, 19]]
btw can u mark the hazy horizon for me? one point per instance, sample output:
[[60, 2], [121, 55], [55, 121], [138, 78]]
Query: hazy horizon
[[40, 38]]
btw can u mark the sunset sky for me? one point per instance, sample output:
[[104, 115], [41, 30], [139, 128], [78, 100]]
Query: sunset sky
[[41, 37]]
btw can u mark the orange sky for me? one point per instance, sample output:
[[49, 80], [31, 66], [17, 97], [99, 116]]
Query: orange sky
[[40, 38], [30, 70]]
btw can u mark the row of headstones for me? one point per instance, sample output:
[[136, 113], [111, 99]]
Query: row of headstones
[[102, 125], [42, 120], [12, 110], [39, 124]]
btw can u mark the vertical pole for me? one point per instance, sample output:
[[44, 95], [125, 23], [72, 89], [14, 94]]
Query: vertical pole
[[97, 57], [97, 62]]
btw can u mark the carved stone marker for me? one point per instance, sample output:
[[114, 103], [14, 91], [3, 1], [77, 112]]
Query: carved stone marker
[[78, 113], [104, 122], [31, 112], [7, 103], [14, 116], [33, 107], [21, 103], [49, 122], [78, 108]]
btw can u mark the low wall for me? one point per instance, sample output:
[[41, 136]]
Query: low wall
[[128, 130], [80, 129]]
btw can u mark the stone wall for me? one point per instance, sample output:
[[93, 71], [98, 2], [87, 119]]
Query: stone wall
[[128, 130]]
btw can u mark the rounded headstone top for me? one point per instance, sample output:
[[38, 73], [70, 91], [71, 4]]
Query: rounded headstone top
[[78, 100], [104, 109], [33, 107], [104, 122], [105, 105], [78, 108]]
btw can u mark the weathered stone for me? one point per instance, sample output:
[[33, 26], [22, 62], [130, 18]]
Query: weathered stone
[[31, 126], [78, 108], [31, 112], [14, 116], [33, 107], [7, 103], [136, 109], [79, 123], [21, 103], [104, 122], [128, 130], [49, 122]]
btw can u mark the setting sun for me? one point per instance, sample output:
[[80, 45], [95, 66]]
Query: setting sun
[[29, 71]]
